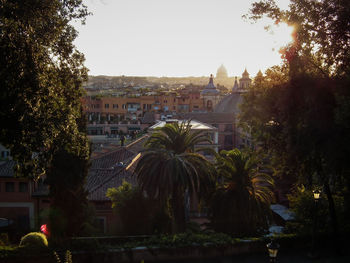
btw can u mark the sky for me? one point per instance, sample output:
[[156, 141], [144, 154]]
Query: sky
[[177, 38]]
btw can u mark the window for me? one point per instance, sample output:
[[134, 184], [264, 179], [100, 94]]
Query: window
[[115, 106], [195, 107], [228, 128], [23, 187], [10, 187], [174, 100], [174, 107], [165, 101], [106, 106], [124, 106]]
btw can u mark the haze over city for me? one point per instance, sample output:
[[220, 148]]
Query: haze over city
[[177, 38]]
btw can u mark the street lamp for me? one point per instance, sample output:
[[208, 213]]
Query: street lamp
[[317, 195], [272, 248]]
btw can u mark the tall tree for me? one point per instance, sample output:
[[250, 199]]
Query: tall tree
[[170, 166], [300, 116], [41, 75]]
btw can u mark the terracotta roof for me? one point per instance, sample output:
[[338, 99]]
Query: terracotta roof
[[108, 170], [137, 145], [111, 159], [209, 117], [6, 168], [99, 181]]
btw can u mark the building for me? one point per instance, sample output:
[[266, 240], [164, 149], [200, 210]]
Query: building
[[221, 73], [210, 95], [230, 105], [21, 199], [223, 122], [245, 81]]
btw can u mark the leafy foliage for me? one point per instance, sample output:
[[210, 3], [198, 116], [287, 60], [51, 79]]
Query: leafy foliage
[[241, 202], [303, 118], [41, 75], [139, 214], [306, 212], [34, 240]]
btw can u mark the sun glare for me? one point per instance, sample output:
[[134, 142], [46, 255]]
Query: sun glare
[[282, 35]]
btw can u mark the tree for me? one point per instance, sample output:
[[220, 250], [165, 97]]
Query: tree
[[241, 203], [41, 75], [299, 117], [170, 166]]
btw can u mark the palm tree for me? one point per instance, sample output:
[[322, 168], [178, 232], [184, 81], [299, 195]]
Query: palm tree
[[170, 166], [240, 204], [178, 138]]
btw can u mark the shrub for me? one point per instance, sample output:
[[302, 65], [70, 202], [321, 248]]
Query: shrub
[[138, 214], [34, 240], [306, 212], [4, 239]]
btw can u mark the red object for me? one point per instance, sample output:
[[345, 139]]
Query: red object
[[44, 229]]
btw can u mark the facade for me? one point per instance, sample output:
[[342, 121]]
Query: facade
[[110, 116], [21, 199], [119, 109], [230, 105], [210, 95]]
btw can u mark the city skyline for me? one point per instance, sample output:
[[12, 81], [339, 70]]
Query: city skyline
[[177, 38]]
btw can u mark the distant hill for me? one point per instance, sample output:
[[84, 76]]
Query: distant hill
[[113, 82]]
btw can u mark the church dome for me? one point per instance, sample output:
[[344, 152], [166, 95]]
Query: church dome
[[221, 73]]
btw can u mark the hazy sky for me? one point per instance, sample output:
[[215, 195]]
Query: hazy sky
[[176, 38]]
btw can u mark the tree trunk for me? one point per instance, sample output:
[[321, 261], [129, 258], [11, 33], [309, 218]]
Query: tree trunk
[[178, 207], [333, 215]]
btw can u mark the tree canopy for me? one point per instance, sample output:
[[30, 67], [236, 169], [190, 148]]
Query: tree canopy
[[40, 76], [300, 109], [241, 203], [169, 167]]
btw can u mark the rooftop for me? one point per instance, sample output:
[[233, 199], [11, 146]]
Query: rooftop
[[195, 124]]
